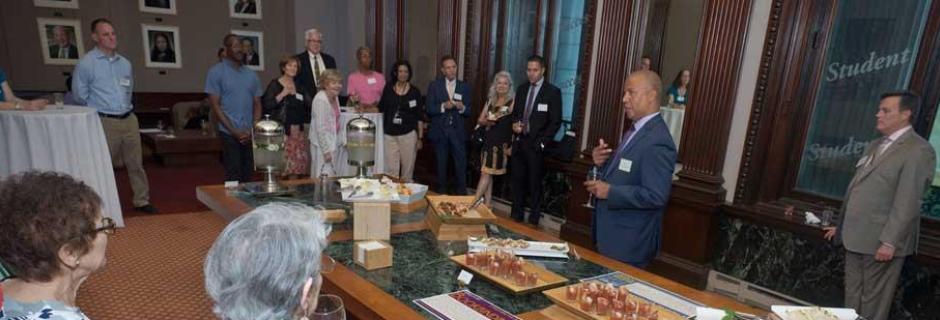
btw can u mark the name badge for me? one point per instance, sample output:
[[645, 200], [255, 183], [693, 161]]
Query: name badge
[[458, 97], [625, 165], [126, 82], [299, 96], [396, 121], [412, 103], [543, 107], [370, 81], [862, 161]]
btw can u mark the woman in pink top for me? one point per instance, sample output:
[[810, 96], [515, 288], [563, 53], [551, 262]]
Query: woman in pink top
[[324, 124], [365, 85]]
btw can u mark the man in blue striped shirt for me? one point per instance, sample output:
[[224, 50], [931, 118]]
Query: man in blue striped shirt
[[103, 80]]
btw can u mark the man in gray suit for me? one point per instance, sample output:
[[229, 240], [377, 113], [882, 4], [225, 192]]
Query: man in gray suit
[[881, 210]]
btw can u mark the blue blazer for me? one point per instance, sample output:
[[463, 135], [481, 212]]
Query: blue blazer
[[627, 226], [437, 94]]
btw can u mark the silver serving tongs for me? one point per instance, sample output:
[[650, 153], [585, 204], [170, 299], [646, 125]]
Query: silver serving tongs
[[476, 203]]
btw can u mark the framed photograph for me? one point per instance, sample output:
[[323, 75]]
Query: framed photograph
[[67, 4], [245, 9], [252, 48], [158, 6], [61, 40], [162, 46]]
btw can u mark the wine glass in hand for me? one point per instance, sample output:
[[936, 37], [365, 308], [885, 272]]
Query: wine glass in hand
[[592, 175]]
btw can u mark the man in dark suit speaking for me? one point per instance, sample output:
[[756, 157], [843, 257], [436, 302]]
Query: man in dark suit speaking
[[537, 118], [635, 180]]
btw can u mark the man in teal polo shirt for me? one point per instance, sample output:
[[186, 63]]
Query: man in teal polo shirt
[[235, 94]]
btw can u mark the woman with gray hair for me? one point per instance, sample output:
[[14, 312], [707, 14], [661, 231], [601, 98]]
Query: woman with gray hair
[[497, 140], [267, 264]]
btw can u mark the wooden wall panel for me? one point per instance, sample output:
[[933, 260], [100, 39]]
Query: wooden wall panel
[[612, 68]]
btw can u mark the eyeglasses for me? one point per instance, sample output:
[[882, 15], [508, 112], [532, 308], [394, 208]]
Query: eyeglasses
[[327, 264], [107, 225]]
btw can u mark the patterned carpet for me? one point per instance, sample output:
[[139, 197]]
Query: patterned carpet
[[154, 269]]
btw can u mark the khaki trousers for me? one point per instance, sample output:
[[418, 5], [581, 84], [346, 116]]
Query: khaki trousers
[[400, 154], [123, 137], [870, 284]]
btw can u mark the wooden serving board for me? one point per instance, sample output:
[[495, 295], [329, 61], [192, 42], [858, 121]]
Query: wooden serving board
[[547, 279], [557, 296], [452, 232], [333, 215], [484, 214]]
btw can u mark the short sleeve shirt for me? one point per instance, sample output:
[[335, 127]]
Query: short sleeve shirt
[[236, 88], [369, 87]]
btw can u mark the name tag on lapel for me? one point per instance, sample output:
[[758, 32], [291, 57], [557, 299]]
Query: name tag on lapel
[[413, 103], [625, 165], [371, 81], [543, 107], [862, 161], [126, 82], [457, 97], [299, 96]]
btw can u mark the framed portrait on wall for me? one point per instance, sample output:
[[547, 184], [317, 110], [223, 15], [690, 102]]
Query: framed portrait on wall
[[252, 48], [67, 4], [60, 41], [245, 9], [158, 6], [162, 46]]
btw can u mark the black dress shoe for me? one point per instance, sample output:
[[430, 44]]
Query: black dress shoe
[[148, 209]]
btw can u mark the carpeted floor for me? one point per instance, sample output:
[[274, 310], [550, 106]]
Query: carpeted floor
[[172, 189], [154, 269]]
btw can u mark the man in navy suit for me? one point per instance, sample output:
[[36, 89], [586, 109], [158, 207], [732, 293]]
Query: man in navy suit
[[447, 104], [635, 179], [537, 116]]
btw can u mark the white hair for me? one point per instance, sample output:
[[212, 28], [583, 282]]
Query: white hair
[[258, 266], [311, 32], [492, 93]]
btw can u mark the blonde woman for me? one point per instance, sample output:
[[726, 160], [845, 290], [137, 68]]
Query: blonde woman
[[498, 138], [324, 124]]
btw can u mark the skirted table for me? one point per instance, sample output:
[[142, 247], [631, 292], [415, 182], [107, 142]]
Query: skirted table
[[68, 140], [421, 266]]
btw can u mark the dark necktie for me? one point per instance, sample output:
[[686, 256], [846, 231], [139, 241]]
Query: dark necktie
[[623, 146], [528, 107], [316, 70]]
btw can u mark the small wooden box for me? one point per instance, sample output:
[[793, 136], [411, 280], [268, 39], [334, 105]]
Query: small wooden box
[[372, 221], [372, 254], [452, 232]]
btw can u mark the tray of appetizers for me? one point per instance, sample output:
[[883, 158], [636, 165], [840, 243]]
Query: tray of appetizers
[[509, 271], [368, 190], [600, 301], [519, 247], [456, 210]]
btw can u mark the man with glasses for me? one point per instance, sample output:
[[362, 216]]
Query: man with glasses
[[636, 179], [312, 63]]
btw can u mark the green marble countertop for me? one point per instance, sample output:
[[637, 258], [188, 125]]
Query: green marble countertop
[[420, 264]]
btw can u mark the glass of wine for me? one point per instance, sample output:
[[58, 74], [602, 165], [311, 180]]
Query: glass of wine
[[592, 175], [329, 307], [160, 125]]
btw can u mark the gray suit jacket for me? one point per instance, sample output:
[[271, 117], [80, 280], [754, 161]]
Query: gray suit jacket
[[882, 203]]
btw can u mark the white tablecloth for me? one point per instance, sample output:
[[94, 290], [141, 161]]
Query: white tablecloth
[[68, 140], [343, 168], [673, 118]]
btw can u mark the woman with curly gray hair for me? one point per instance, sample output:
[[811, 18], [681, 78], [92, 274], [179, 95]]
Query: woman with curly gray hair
[[267, 264]]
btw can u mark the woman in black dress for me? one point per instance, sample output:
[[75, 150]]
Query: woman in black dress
[[498, 138], [285, 104]]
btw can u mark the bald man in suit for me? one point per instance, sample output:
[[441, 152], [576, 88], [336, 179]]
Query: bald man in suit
[[881, 211], [636, 179]]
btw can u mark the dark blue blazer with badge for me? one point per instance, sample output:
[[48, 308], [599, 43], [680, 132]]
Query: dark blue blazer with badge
[[627, 226], [440, 129]]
